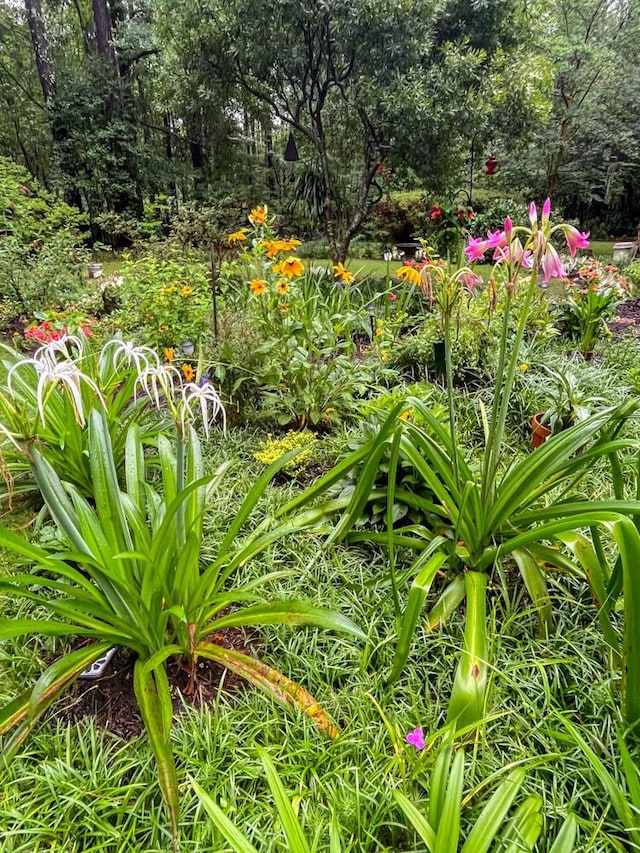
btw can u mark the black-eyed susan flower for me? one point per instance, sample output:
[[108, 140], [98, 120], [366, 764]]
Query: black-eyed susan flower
[[282, 286], [289, 267], [188, 372], [258, 286]]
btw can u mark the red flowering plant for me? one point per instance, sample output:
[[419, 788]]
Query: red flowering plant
[[591, 293], [51, 326], [448, 224]]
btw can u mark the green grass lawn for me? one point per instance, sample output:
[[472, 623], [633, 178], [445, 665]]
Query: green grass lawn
[[366, 267]]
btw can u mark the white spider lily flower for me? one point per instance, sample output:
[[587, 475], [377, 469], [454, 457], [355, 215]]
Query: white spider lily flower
[[160, 381], [66, 374], [116, 352], [48, 353], [38, 366], [206, 398]]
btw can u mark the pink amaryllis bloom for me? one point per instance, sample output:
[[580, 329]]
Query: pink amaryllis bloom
[[533, 214], [576, 239], [476, 248], [546, 212], [470, 280], [552, 266], [496, 239]]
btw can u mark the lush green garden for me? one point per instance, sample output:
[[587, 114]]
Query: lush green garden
[[319, 440], [354, 610]]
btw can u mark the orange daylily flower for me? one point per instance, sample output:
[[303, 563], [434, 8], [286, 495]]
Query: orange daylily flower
[[409, 274], [343, 274], [258, 215]]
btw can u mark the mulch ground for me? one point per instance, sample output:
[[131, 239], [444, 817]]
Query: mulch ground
[[110, 700], [627, 319]]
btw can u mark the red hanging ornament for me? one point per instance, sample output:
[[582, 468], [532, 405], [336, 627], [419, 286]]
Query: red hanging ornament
[[491, 165]]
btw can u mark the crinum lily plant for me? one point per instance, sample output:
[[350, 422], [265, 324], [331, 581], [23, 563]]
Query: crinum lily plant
[[135, 570], [478, 511]]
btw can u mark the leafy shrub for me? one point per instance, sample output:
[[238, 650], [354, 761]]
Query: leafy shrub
[[314, 249], [363, 248], [40, 262], [235, 360], [632, 272], [398, 217], [201, 226], [493, 215], [165, 302], [415, 355], [446, 227]]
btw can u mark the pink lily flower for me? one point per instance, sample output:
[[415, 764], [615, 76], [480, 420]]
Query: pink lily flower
[[508, 227], [471, 280], [476, 249], [546, 211], [576, 239], [496, 239], [552, 265], [533, 214]]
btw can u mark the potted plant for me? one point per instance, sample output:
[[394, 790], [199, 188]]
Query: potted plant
[[569, 404]]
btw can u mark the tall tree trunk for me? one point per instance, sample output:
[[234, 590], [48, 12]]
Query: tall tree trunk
[[104, 33], [40, 44]]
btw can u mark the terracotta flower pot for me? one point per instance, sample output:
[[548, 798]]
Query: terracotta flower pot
[[539, 432]]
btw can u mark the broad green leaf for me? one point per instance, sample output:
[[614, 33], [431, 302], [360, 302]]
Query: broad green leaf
[[566, 838], [468, 696], [419, 822], [415, 602], [491, 818], [288, 613], [448, 831], [154, 701]]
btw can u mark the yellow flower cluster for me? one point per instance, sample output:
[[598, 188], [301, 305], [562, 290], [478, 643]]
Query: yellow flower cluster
[[274, 448]]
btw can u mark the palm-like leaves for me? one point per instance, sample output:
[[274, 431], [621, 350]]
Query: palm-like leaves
[[141, 585], [468, 525]]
